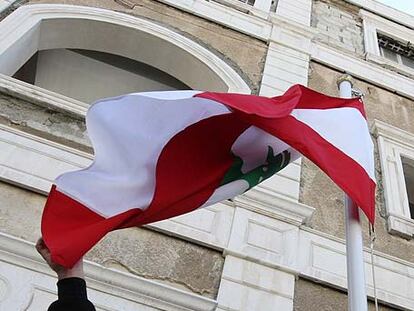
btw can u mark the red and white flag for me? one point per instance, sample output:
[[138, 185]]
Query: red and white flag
[[163, 154]]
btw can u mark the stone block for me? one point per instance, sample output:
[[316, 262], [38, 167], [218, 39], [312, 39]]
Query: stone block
[[238, 297], [259, 276], [256, 287], [338, 26]]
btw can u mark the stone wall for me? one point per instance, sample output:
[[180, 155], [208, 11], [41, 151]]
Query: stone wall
[[318, 191], [245, 54], [310, 296], [338, 25]]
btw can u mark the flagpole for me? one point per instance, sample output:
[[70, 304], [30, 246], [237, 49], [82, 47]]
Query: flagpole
[[357, 297]]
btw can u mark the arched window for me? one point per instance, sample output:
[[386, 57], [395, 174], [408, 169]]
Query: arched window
[[87, 53]]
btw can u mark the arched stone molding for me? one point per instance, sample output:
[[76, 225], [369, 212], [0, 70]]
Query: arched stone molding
[[33, 28]]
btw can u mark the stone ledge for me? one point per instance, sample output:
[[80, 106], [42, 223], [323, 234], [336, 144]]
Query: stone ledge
[[401, 226], [109, 281]]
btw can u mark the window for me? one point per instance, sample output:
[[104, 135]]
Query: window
[[273, 6], [396, 151], [388, 44], [273, 3], [249, 2], [408, 169], [396, 51], [250, 6]]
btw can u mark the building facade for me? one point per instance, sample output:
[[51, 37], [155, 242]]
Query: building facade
[[280, 246]]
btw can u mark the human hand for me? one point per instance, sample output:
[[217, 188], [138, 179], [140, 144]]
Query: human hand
[[62, 272]]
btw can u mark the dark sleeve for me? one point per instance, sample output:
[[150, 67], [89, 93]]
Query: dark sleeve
[[72, 296]]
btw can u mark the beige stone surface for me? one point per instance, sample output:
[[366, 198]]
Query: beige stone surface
[[310, 296], [20, 212], [166, 259], [245, 54], [318, 191], [138, 251]]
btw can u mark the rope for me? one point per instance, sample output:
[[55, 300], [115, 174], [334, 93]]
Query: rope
[[372, 237]]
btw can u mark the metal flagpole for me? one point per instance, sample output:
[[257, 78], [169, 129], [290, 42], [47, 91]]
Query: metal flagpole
[[357, 297]]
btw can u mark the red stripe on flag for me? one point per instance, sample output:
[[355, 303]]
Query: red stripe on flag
[[70, 229], [258, 105], [311, 99], [343, 170], [296, 97]]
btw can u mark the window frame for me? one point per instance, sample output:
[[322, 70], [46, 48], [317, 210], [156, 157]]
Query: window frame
[[374, 24], [259, 8], [393, 144], [399, 57]]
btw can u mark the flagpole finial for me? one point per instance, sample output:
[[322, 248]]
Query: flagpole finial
[[343, 78]]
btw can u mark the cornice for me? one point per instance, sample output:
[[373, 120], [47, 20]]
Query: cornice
[[380, 128], [385, 11], [265, 202]]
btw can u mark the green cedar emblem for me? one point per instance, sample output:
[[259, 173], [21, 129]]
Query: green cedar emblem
[[274, 163]]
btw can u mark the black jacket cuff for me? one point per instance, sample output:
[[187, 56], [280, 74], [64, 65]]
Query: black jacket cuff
[[72, 289]]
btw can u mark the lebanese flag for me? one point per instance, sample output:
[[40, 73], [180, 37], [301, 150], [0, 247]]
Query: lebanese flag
[[163, 154]]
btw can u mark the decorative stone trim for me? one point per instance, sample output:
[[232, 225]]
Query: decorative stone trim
[[274, 205], [263, 239], [392, 144]]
